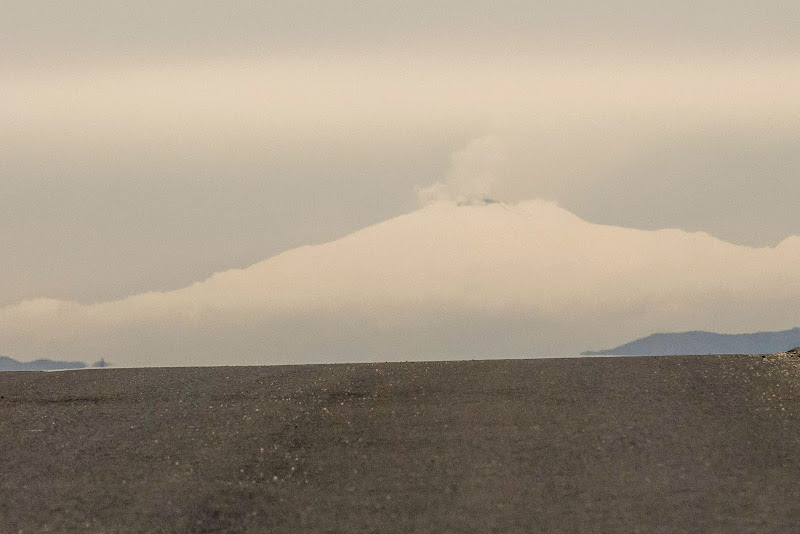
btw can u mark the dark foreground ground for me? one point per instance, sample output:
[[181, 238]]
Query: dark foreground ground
[[656, 444]]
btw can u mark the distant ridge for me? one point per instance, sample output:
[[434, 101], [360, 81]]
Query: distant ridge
[[699, 342], [10, 364]]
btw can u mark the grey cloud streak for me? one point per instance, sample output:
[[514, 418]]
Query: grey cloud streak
[[34, 30]]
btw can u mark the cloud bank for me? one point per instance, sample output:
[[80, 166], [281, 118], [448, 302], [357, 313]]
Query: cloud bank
[[446, 281]]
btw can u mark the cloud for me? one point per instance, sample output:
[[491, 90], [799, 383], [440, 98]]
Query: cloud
[[42, 28], [446, 281], [472, 175]]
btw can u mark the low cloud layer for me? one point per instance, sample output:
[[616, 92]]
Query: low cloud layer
[[446, 281]]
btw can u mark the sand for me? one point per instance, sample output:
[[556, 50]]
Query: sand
[[650, 444]]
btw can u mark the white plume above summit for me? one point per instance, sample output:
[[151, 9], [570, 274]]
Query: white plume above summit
[[472, 175]]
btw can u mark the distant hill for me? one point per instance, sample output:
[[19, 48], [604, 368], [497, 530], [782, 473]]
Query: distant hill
[[10, 364], [699, 342]]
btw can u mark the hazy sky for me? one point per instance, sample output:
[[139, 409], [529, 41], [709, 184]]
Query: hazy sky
[[144, 147]]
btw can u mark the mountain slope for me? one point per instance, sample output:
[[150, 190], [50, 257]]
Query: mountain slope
[[10, 364], [443, 282], [698, 342]]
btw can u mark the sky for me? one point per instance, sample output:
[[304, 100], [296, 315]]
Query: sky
[[146, 147]]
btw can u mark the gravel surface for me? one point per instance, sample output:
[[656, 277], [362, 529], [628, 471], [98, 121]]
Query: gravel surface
[[650, 444]]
